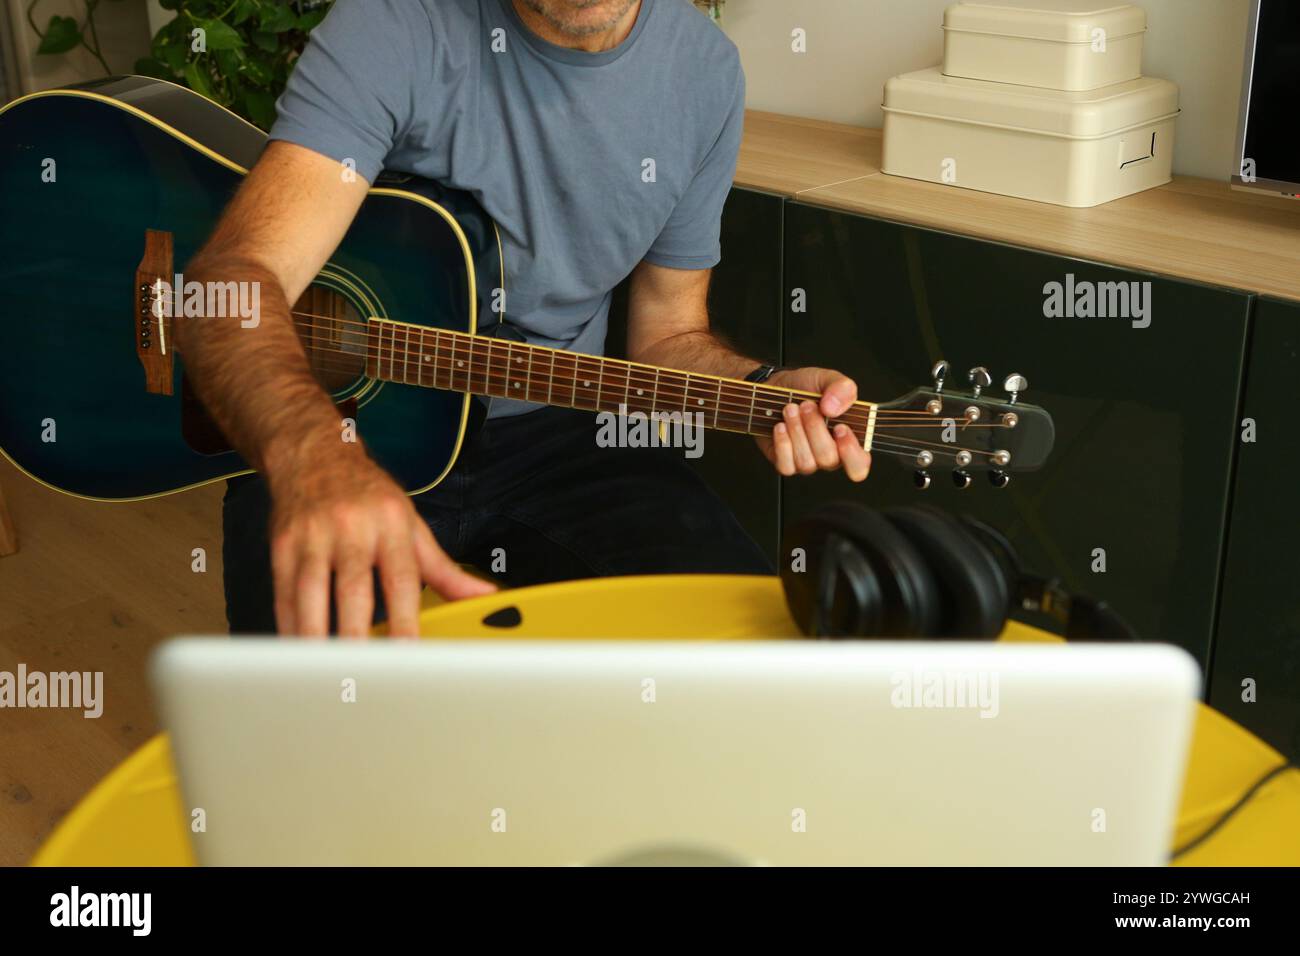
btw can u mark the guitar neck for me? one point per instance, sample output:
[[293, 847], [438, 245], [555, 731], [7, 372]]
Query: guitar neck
[[457, 361]]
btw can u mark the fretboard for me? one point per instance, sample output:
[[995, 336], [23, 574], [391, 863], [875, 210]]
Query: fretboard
[[457, 361]]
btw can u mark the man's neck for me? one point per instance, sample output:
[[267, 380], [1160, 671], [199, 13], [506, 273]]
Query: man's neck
[[579, 39]]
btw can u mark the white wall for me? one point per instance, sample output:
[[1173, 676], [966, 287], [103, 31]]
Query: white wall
[[855, 45], [123, 30]]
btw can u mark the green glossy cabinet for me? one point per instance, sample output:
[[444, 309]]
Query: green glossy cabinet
[[745, 309], [1257, 646], [1145, 417]]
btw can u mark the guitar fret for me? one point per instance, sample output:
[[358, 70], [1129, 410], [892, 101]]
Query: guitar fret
[[550, 380], [437, 359], [468, 364], [419, 361], [528, 376], [406, 355], [392, 354], [753, 399], [717, 407], [486, 345], [455, 362]]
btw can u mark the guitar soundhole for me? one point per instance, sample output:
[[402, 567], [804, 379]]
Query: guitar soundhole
[[333, 333]]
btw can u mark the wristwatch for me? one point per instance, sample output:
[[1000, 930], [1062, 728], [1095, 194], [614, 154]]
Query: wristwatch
[[763, 373]]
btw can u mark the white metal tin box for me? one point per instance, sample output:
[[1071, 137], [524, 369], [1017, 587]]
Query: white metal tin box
[[1071, 149], [1054, 44]]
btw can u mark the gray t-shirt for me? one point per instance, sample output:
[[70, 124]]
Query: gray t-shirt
[[588, 162]]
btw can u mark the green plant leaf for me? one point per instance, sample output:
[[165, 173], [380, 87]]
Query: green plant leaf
[[229, 62], [61, 35], [171, 54], [278, 18], [259, 73], [269, 42], [243, 10], [261, 108], [148, 66], [310, 20], [221, 36], [196, 78]]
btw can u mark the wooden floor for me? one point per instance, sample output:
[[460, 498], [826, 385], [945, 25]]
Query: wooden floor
[[93, 587]]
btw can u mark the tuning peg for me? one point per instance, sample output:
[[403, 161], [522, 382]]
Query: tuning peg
[[999, 479], [939, 373], [980, 379], [961, 479], [1014, 384], [921, 479]]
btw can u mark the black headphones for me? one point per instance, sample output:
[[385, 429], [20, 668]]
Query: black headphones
[[919, 572]]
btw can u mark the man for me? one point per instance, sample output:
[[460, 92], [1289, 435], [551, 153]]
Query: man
[[550, 112]]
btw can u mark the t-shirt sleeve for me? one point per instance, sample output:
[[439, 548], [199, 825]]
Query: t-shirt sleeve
[[691, 239], [349, 97]]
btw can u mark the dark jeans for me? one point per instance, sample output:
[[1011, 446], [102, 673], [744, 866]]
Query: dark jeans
[[538, 487]]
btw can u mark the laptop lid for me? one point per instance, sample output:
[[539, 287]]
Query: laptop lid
[[765, 752]]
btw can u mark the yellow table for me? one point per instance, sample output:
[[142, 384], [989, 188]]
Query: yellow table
[[134, 816]]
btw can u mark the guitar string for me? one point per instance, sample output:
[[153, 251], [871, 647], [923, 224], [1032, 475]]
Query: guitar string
[[740, 424], [367, 332], [465, 342], [392, 355], [480, 362], [763, 398], [490, 377]]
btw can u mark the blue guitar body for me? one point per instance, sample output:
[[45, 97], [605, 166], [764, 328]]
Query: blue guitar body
[[84, 174]]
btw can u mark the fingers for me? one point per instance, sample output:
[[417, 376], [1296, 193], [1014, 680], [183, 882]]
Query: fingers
[[838, 395], [399, 575], [284, 572], [804, 462], [824, 450], [856, 460], [354, 591], [312, 591], [442, 573], [782, 450], [803, 443], [348, 524]]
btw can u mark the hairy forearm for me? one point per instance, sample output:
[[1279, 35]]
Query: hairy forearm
[[697, 351], [254, 379]]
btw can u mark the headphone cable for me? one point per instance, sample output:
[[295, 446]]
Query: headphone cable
[[1232, 810]]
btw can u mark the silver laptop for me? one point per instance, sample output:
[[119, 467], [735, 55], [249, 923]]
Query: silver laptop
[[743, 753]]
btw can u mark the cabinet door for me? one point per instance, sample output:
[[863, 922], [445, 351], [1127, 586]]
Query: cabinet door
[[1137, 482], [1257, 647], [745, 308]]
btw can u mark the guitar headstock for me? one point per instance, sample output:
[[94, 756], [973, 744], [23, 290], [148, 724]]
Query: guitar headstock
[[966, 432]]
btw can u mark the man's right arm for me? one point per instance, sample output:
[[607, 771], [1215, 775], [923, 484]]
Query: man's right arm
[[335, 513]]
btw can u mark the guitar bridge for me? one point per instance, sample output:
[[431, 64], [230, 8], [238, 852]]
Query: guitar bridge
[[153, 310]]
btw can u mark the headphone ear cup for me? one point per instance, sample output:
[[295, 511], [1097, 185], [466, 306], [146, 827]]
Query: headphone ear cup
[[976, 594], [1000, 549], [846, 597], [896, 594]]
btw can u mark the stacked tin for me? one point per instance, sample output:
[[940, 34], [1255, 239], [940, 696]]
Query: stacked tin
[[1039, 99]]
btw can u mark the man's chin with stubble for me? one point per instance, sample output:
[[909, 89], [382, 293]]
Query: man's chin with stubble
[[580, 18]]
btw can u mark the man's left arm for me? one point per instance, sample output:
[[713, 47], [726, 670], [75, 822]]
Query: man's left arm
[[668, 326]]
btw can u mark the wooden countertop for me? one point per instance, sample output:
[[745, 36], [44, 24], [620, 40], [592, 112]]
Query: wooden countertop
[[1195, 229]]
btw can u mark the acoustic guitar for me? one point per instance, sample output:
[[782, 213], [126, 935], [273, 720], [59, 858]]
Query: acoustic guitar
[[108, 187]]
